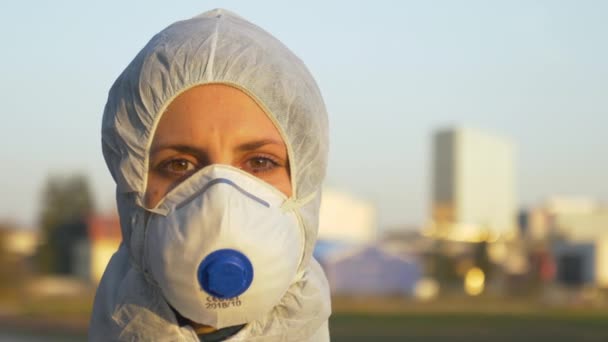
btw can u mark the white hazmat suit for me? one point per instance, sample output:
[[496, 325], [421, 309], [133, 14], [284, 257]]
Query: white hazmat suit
[[215, 47]]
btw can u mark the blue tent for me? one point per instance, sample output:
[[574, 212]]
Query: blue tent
[[370, 270]]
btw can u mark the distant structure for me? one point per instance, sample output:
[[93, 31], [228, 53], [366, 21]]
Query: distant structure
[[345, 218], [21, 242], [577, 230], [372, 270], [88, 252], [104, 239], [473, 185], [17, 249]]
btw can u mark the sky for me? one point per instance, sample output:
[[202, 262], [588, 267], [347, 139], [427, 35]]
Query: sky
[[391, 73]]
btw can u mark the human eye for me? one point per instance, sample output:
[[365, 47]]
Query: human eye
[[260, 164], [176, 167]]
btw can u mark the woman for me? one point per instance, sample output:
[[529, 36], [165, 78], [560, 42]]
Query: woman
[[216, 135]]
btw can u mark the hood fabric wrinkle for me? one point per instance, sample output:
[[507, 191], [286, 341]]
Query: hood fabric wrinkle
[[214, 47]]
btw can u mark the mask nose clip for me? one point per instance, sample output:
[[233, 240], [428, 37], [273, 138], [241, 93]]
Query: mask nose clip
[[225, 273]]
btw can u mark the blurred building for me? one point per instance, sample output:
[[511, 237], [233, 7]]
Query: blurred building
[[17, 249], [406, 242], [576, 229], [87, 245], [69, 245], [371, 270], [21, 242], [345, 218], [104, 238], [581, 253], [473, 185], [534, 224]]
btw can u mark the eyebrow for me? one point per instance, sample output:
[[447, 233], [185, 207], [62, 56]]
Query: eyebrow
[[182, 148], [250, 146], [189, 149]]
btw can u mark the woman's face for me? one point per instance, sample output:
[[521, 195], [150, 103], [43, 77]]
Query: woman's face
[[214, 124]]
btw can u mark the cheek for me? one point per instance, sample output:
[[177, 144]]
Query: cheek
[[283, 183], [151, 198], [156, 190]]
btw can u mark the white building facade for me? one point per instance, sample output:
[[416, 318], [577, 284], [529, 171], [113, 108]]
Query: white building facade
[[582, 258], [345, 218], [473, 184]]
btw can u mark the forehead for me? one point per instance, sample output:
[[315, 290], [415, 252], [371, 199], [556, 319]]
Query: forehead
[[213, 110]]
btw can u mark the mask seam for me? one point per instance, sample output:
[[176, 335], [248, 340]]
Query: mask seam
[[165, 205], [217, 181]]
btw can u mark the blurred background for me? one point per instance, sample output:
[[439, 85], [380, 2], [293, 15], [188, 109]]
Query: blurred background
[[466, 195]]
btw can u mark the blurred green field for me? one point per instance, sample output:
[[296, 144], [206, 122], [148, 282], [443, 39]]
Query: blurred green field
[[435, 327], [428, 327], [355, 319]]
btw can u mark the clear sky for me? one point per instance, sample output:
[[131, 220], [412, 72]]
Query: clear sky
[[391, 72]]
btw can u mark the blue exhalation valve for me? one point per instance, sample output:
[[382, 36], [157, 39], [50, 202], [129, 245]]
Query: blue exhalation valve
[[225, 273]]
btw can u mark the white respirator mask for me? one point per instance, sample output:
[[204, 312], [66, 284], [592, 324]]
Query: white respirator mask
[[222, 247]]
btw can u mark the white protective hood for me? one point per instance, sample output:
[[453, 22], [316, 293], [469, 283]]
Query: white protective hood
[[215, 47]]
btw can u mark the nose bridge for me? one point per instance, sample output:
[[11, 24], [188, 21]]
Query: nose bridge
[[218, 146]]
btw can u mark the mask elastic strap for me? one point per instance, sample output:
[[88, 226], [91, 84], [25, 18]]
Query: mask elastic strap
[[293, 204]]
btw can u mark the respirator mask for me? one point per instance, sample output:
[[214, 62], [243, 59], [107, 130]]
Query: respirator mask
[[222, 247]]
